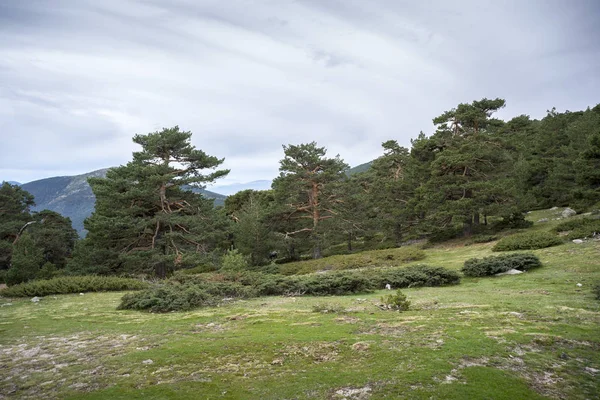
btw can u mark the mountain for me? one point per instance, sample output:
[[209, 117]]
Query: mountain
[[72, 196], [237, 187], [359, 168]]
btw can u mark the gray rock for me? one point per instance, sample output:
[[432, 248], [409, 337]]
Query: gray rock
[[568, 212], [147, 362], [577, 241], [35, 299], [554, 208], [510, 272], [544, 220]]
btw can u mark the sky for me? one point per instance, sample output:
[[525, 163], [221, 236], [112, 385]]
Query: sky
[[79, 78]]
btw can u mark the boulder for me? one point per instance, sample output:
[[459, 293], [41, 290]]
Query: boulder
[[544, 220], [510, 272], [577, 241], [568, 212], [35, 299]]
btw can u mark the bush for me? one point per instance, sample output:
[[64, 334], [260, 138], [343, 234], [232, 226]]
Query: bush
[[527, 241], [396, 301], [414, 276], [596, 290], [164, 297], [483, 238], [167, 297], [579, 228], [496, 264], [73, 284], [234, 261], [3, 276], [516, 220]]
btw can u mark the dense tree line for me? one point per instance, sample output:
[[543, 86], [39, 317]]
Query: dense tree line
[[474, 173]]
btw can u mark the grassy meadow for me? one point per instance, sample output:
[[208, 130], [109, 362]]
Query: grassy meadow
[[529, 336]]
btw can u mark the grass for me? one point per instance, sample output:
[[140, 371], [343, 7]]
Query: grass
[[533, 336]]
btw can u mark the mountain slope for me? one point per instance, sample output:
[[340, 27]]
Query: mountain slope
[[72, 196]]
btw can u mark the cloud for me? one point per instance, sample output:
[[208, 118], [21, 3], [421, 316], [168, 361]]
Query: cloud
[[80, 77]]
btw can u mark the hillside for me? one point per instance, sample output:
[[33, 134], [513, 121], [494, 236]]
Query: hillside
[[528, 336], [72, 196]]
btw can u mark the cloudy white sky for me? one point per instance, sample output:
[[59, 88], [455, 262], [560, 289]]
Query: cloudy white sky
[[78, 78]]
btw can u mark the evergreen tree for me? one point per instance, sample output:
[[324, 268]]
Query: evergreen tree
[[14, 216], [147, 218], [305, 187]]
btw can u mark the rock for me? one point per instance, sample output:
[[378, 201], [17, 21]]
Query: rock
[[510, 272], [544, 220], [577, 241], [35, 299], [147, 362], [568, 212], [591, 370], [579, 285], [388, 286], [81, 294], [554, 208]]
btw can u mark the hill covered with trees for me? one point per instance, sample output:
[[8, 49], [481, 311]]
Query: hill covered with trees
[[473, 175]]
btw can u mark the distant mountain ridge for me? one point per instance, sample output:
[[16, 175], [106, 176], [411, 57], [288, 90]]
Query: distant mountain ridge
[[233, 188], [72, 196]]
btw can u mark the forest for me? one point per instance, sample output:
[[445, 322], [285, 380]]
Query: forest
[[474, 176]]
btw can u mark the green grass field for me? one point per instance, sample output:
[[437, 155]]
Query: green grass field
[[529, 336]]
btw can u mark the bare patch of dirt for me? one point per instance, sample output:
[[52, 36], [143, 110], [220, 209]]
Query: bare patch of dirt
[[317, 352], [352, 393], [42, 367]]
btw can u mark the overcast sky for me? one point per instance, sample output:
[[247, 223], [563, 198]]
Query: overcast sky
[[78, 78]]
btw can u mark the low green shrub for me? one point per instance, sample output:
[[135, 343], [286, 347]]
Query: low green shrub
[[579, 228], [396, 301], [3, 276], [596, 290], [496, 264], [483, 238], [244, 284], [233, 260], [168, 297], [527, 241], [413, 276], [73, 284]]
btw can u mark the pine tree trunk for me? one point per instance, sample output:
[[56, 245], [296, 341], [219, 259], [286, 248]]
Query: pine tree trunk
[[476, 218], [317, 246], [468, 227]]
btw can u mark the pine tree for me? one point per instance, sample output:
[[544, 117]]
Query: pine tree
[[306, 188], [147, 218]]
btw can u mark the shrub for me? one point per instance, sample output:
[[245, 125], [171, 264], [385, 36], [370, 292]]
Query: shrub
[[414, 276], [234, 261], [211, 288], [168, 297], [516, 220], [483, 239], [527, 241], [73, 284], [579, 228], [396, 301], [596, 290], [493, 265], [3, 276]]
